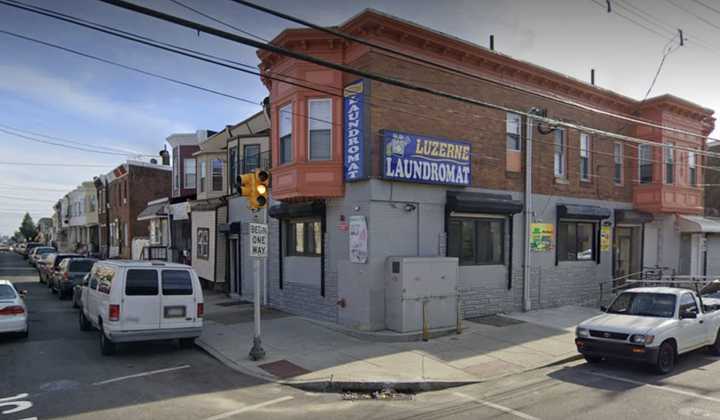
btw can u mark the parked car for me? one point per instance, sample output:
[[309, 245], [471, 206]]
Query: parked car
[[39, 252], [142, 301], [5, 247], [20, 248], [70, 272], [51, 267], [29, 247], [652, 325], [78, 290], [42, 266], [13, 312]]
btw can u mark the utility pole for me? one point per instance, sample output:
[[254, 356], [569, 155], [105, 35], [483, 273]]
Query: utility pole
[[528, 210], [258, 250]]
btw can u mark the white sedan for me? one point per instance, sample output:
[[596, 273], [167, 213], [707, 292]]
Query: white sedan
[[13, 312]]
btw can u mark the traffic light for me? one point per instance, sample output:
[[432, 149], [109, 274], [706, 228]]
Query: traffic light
[[254, 186]]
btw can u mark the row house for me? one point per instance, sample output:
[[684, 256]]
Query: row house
[[423, 176], [79, 220], [123, 194]]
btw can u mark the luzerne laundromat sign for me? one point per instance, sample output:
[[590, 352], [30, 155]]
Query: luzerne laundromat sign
[[430, 160], [355, 163]]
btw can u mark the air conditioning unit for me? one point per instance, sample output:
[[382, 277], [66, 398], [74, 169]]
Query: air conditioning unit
[[412, 283]]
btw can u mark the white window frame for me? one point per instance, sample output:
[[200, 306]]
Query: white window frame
[[187, 164], [560, 159], [203, 178], [213, 176], [650, 162], [618, 160], [585, 149], [513, 120], [281, 133], [309, 130]]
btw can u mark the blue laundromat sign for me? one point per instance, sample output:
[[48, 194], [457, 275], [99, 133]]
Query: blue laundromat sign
[[355, 167], [429, 160]]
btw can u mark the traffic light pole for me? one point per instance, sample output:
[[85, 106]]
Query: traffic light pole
[[257, 352]]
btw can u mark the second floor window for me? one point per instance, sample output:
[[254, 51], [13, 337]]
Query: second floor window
[[646, 164], [232, 168], [251, 157], [584, 157], [190, 173], [617, 163], [560, 171], [692, 169], [217, 175], [285, 131], [320, 128], [512, 131], [203, 173], [669, 159]]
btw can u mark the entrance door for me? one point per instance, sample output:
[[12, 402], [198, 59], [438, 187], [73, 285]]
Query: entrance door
[[627, 249]]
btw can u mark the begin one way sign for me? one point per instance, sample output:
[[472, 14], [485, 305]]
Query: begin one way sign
[[258, 239]]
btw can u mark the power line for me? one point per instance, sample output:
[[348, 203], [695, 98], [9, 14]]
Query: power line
[[10, 197], [67, 165], [216, 20], [631, 20], [443, 67], [22, 136], [373, 76], [33, 188], [707, 6], [691, 13]]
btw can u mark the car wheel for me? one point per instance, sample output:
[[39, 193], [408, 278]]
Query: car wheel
[[666, 359], [84, 323], [715, 347], [593, 359], [187, 343], [26, 333], [107, 347]]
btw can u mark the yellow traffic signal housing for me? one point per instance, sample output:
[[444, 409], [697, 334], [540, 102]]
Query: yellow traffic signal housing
[[254, 186]]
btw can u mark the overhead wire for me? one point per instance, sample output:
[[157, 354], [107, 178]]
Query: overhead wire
[[67, 146]]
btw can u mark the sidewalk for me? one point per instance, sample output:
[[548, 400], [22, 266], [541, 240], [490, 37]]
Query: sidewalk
[[316, 356]]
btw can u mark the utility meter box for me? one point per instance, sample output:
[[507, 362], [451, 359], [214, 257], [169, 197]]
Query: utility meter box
[[412, 283]]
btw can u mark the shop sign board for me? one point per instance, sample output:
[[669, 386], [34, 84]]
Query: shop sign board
[[354, 131], [541, 237], [426, 160]]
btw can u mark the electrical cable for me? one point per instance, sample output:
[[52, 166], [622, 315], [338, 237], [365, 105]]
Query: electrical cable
[[2, 130], [68, 165], [446, 68]]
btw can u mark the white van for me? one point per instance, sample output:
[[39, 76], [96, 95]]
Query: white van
[[142, 301]]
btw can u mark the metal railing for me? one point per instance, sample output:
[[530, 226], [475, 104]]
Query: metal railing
[[154, 253], [651, 277]]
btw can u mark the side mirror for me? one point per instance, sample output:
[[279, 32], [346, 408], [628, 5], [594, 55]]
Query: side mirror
[[603, 308], [688, 315], [23, 293]]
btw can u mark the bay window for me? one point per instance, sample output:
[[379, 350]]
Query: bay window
[[692, 169], [217, 175], [669, 159], [190, 173], [645, 163], [320, 128], [285, 132]]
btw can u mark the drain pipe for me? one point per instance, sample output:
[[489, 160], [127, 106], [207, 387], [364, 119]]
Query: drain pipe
[[528, 212]]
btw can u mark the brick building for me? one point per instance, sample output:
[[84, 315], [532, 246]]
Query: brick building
[[123, 194], [435, 177]]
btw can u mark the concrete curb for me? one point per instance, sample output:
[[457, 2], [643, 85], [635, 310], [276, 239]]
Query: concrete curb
[[371, 386], [217, 355], [382, 337]]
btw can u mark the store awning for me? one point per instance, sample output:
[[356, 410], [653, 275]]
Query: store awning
[[294, 210], [632, 217], [153, 211], [698, 224], [582, 211], [474, 202]]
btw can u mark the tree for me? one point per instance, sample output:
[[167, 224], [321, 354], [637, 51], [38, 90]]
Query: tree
[[27, 229]]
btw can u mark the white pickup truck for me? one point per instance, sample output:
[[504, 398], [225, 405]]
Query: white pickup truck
[[652, 325]]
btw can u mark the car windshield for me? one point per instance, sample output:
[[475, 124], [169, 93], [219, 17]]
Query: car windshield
[[660, 305], [43, 251], [7, 292], [81, 266]]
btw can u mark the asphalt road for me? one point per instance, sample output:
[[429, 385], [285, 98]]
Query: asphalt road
[[58, 372]]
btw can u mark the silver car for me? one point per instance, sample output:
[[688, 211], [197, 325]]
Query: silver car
[[13, 312]]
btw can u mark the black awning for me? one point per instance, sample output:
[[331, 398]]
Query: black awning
[[474, 202], [294, 210], [581, 211], [632, 217], [230, 228]]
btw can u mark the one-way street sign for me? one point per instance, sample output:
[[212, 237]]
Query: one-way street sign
[[258, 240]]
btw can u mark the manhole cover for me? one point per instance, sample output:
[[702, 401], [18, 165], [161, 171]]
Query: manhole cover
[[283, 369], [495, 321]]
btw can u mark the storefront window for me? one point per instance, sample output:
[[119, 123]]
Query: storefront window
[[478, 241], [576, 241], [304, 238]]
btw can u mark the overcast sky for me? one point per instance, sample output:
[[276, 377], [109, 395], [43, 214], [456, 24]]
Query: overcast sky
[[52, 92]]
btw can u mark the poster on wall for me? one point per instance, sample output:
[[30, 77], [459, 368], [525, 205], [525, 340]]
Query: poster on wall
[[541, 237], [605, 238], [427, 160], [358, 240]]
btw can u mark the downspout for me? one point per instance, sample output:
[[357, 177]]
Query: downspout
[[528, 213]]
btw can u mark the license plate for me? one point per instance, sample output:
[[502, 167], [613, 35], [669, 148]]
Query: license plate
[[174, 312]]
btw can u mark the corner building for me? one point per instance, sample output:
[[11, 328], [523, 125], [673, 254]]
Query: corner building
[[434, 177]]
